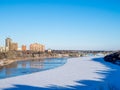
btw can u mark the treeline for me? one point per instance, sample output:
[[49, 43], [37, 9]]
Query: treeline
[[114, 57], [25, 54], [10, 54], [53, 53], [19, 54]]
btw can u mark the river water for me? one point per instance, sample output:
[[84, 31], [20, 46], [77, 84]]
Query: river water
[[30, 66]]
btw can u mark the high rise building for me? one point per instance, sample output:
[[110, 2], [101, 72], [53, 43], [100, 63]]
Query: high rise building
[[10, 45], [37, 47], [8, 42]]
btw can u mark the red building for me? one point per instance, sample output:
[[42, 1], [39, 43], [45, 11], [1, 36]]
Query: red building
[[24, 48]]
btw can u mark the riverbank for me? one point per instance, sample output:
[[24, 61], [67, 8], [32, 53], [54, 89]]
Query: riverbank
[[5, 62]]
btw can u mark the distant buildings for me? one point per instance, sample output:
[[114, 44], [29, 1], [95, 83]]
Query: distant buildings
[[37, 47], [11, 45], [8, 42], [24, 48], [14, 47], [19, 49], [49, 50], [4, 49]]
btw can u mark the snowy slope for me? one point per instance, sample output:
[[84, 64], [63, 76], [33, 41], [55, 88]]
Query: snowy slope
[[86, 73]]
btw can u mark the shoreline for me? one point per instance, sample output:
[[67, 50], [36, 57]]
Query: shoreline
[[6, 62]]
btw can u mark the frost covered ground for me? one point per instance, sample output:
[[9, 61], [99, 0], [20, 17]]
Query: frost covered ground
[[86, 73]]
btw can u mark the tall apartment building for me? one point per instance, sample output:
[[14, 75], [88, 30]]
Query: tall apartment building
[[8, 42], [24, 48], [11, 45], [37, 47]]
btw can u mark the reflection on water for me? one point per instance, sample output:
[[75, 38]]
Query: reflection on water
[[30, 66]]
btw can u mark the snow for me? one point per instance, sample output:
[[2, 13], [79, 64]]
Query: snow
[[86, 73]]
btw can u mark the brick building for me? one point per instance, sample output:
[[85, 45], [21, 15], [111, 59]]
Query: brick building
[[24, 48], [37, 47]]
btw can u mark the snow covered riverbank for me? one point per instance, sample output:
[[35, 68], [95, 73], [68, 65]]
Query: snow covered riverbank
[[86, 73]]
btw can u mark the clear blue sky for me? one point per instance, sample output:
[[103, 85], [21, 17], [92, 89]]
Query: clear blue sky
[[62, 24]]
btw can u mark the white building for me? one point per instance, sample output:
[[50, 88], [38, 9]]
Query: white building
[[4, 49]]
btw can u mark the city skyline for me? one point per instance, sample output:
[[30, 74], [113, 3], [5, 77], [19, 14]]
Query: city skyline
[[10, 45], [62, 24]]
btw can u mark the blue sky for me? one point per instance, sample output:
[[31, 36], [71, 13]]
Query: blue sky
[[62, 24]]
